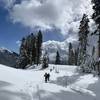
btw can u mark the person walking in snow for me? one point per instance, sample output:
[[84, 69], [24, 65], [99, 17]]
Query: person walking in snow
[[50, 70], [45, 76], [48, 77], [53, 67]]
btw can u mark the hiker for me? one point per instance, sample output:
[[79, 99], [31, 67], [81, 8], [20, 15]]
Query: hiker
[[48, 77], [53, 67], [50, 70], [45, 75]]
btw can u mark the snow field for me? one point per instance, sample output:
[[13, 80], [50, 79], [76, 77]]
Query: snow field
[[65, 84]]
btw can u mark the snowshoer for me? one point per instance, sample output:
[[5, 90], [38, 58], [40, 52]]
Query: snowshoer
[[48, 77], [53, 67], [50, 70], [45, 75]]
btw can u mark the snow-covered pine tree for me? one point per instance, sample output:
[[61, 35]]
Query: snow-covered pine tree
[[96, 18], [23, 60], [45, 60], [33, 48], [83, 41], [22, 47], [76, 55], [57, 61], [38, 47], [30, 50], [91, 63], [71, 56]]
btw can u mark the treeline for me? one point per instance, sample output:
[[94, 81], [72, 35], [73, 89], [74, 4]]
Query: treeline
[[77, 56], [30, 50], [87, 60]]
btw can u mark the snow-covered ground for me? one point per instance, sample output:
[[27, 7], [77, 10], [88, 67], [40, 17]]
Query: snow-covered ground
[[67, 84]]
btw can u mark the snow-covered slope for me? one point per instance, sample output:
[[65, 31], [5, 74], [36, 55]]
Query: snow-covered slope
[[17, 84], [52, 46], [8, 57]]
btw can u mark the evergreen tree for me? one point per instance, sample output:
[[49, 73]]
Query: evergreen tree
[[38, 47], [83, 41], [33, 48], [93, 59], [71, 56], [96, 18], [45, 60], [30, 50], [23, 60], [57, 61], [76, 56]]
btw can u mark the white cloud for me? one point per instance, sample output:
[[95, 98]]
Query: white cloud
[[72, 39], [18, 43], [7, 3], [47, 14]]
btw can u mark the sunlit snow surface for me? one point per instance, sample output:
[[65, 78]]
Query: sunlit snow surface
[[65, 84]]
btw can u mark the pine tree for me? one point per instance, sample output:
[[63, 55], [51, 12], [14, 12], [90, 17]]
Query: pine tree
[[26, 51], [23, 61], [45, 60], [83, 40], [33, 48], [76, 55], [96, 18], [29, 49], [38, 47], [71, 56], [57, 61]]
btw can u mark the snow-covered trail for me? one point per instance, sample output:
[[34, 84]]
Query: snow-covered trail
[[16, 84]]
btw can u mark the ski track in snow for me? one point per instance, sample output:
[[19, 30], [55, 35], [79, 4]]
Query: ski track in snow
[[67, 84]]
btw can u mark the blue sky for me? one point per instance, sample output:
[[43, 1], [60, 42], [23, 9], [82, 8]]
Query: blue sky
[[58, 19], [10, 33]]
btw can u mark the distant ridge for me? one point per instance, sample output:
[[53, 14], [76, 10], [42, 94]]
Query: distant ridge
[[8, 57]]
